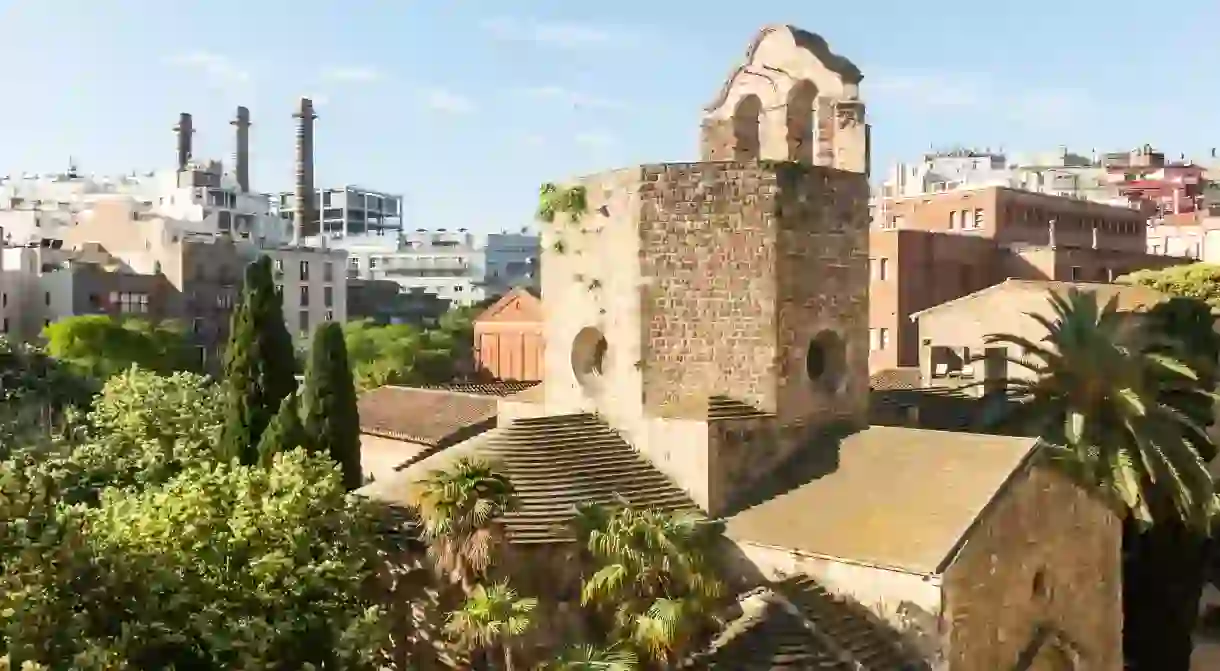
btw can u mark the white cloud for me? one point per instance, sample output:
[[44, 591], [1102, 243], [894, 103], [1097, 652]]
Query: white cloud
[[555, 34], [351, 75], [575, 99], [215, 66], [447, 101], [595, 139]]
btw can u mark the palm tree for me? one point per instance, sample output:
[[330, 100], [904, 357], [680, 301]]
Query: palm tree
[[590, 658], [653, 574], [492, 617], [458, 508], [1108, 403]]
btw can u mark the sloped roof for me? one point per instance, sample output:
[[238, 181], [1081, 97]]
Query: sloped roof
[[493, 388], [895, 379], [520, 302], [899, 498], [1131, 298], [554, 462], [427, 416], [797, 624]]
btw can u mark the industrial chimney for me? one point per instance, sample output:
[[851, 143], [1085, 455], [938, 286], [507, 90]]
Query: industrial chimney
[[241, 152], [303, 194], [185, 130]]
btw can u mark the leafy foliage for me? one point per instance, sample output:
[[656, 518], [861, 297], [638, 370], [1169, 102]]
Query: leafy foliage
[[285, 433], [591, 658], [260, 366], [458, 507], [226, 567], [492, 617], [653, 574], [36, 391], [553, 199], [1196, 280], [1096, 393], [331, 418], [100, 346], [402, 354]]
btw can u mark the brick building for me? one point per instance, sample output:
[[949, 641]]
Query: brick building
[[929, 249]]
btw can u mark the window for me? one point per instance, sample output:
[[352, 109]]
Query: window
[[330, 315], [353, 262], [328, 272], [978, 217], [224, 301], [304, 294], [196, 325], [458, 288], [128, 302], [47, 297], [4, 326], [303, 324], [883, 269], [952, 218], [304, 270], [328, 296], [5, 299], [883, 340], [372, 262], [279, 267], [1075, 273]]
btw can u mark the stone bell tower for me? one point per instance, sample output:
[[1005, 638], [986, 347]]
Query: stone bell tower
[[716, 312]]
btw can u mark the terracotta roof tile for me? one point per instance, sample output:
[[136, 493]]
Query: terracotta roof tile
[[496, 388], [555, 462], [797, 624], [895, 379], [899, 498], [427, 416]]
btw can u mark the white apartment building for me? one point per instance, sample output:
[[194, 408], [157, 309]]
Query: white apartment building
[[349, 211], [202, 196], [459, 266]]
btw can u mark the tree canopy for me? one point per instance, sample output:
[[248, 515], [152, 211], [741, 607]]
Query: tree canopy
[[101, 345], [403, 354], [328, 404], [1194, 280]]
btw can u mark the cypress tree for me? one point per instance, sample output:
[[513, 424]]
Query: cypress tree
[[259, 364], [285, 432], [331, 419]]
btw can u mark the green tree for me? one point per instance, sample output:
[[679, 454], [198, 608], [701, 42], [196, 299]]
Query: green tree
[[145, 428], [653, 575], [205, 571], [1194, 280], [331, 418], [380, 355], [37, 392], [492, 619], [260, 364], [1098, 395], [458, 508], [285, 432], [591, 658], [101, 346]]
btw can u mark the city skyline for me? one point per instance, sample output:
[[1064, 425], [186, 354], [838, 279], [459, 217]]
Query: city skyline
[[438, 103]]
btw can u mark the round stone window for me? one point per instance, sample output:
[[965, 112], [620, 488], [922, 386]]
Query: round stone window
[[826, 361], [589, 356]]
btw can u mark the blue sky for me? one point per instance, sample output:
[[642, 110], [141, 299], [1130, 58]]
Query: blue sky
[[466, 107]]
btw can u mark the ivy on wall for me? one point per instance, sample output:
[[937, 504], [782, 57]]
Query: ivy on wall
[[554, 199]]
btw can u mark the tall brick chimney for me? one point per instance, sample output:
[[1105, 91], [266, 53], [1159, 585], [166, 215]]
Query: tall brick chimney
[[185, 130], [241, 151], [303, 194]]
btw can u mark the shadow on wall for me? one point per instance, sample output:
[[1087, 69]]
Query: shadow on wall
[[816, 457]]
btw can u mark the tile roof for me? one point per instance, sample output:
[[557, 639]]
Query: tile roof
[[797, 624], [1131, 298], [555, 462], [899, 498], [494, 388], [895, 379], [430, 417]]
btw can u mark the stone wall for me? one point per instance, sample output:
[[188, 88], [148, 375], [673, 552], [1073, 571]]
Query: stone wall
[[1022, 569]]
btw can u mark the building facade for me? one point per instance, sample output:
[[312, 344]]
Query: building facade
[[459, 266], [348, 211], [929, 249], [313, 285]]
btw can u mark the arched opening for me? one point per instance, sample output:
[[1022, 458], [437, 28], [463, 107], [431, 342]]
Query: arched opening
[[589, 349], [826, 361], [746, 120], [800, 121]]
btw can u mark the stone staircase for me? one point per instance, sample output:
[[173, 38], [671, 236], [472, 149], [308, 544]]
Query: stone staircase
[[558, 461]]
